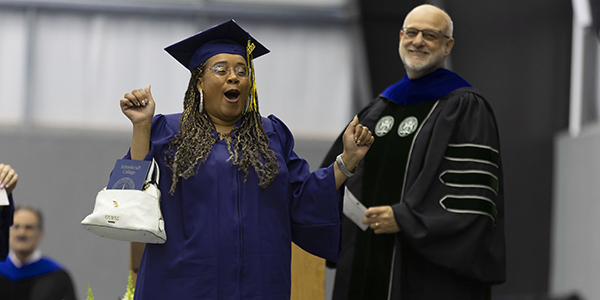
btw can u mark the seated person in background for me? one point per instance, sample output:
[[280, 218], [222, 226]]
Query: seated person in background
[[8, 182], [26, 274]]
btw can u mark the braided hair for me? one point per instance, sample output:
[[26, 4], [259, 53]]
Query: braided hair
[[192, 144]]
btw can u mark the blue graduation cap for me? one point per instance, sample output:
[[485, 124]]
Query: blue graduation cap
[[227, 37]]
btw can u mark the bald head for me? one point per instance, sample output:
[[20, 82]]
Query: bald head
[[434, 15], [425, 40]]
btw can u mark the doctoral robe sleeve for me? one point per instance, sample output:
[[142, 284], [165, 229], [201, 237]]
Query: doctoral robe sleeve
[[315, 204], [452, 211], [6, 220]]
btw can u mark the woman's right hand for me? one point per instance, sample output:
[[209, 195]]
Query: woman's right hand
[[138, 105]]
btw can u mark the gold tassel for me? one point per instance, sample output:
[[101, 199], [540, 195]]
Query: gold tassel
[[253, 94]]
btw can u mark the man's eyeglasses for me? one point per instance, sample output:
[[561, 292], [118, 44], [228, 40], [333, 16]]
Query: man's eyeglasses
[[428, 34], [26, 227], [221, 70]]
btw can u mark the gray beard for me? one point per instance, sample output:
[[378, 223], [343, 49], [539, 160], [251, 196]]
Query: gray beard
[[425, 68]]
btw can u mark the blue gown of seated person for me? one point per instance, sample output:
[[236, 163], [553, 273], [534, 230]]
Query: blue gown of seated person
[[230, 239], [44, 279]]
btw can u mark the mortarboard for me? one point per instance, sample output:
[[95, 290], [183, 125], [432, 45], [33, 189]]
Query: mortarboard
[[227, 37]]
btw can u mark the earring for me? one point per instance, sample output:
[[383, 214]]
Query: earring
[[201, 105], [247, 105]]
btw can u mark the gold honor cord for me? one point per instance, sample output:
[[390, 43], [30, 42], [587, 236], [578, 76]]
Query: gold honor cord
[[253, 95]]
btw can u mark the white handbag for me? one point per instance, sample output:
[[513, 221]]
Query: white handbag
[[129, 215]]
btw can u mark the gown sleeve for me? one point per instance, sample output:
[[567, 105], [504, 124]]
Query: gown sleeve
[[452, 211], [315, 205], [164, 128]]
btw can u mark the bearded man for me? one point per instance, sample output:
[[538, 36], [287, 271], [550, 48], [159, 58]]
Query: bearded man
[[432, 182]]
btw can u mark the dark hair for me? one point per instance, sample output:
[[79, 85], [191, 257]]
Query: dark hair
[[35, 211], [194, 141]]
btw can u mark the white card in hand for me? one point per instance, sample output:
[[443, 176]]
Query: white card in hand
[[354, 210], [3, 198]]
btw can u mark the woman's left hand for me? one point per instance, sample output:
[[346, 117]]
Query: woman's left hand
[[357, 141]]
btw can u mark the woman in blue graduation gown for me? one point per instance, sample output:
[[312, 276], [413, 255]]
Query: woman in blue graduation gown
[[234, 193]]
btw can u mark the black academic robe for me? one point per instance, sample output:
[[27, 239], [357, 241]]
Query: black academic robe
[[448, 202]]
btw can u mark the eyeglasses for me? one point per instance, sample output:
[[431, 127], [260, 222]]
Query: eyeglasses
[[221, 70], [428, 34], [26, 227]]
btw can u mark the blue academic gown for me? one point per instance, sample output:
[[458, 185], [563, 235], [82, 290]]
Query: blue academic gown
[[230, 239]]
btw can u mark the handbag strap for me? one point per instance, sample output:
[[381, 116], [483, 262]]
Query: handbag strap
[[153, 174]]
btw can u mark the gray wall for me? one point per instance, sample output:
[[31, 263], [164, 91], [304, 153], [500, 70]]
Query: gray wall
[[61, 172], [575, 239]]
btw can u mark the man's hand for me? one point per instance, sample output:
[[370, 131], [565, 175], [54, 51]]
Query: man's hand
[[381, 219]]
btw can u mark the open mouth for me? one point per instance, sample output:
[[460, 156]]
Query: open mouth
[[232, 94]]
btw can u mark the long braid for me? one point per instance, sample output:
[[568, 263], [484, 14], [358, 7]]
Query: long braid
[[191, 146], [254, 145]]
